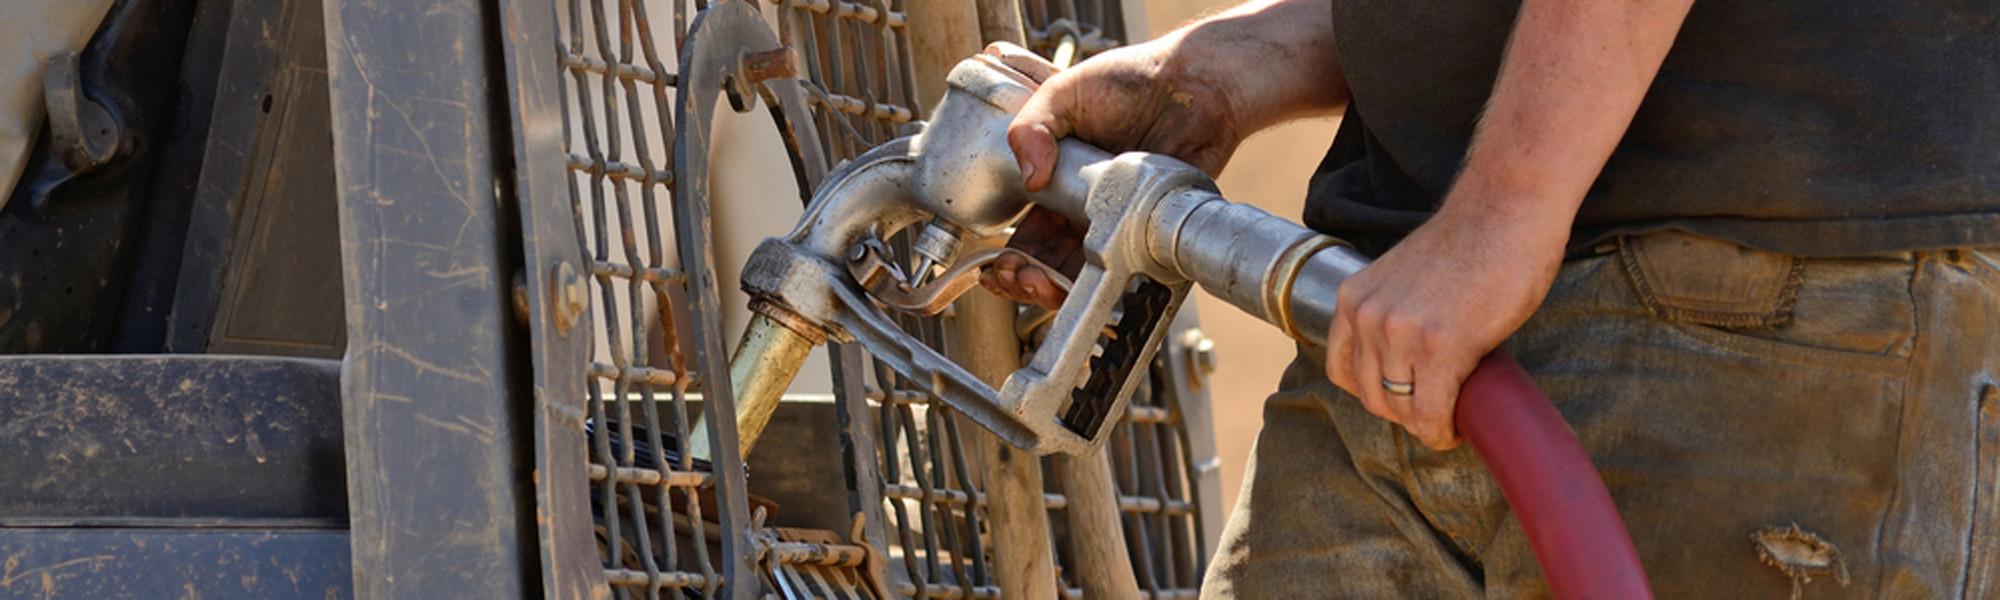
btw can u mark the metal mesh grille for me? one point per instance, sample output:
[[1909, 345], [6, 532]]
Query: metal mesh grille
[[1157, 500], [857, 72], [653, 501], [937, 548], [858, 80], [649, 494], [1150, 467], [816, 564]]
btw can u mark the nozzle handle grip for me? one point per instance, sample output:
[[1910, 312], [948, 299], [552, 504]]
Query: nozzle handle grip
[[1550, 483]]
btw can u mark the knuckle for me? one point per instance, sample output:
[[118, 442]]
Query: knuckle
[[1371, 312], [1347, 295], [1432, 333], [1400, 324]]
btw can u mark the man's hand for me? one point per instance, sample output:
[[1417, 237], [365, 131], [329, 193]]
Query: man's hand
[[1143, 97], [1426, 311], [1193, 94], [1126, 99], [1573, 76], [1049, 238]]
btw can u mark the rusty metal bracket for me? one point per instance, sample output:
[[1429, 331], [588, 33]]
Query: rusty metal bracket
[[83, 134]]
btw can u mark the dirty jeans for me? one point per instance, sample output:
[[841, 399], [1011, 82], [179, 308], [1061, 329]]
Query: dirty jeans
[[1725, 395]]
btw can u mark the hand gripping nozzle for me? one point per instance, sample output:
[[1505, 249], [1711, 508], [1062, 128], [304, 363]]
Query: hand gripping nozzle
[[1156, 226]]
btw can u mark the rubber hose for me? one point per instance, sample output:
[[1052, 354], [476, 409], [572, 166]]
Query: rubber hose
[[1549, 482]]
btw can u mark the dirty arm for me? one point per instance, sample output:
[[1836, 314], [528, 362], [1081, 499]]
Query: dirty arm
[[1194, 94], [1571, 80]]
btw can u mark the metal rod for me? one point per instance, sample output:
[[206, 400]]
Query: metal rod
[[1065, 54], [764, 365]]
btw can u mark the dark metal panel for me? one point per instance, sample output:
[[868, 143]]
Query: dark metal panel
[[96, 440], [436, 419], [249, 72], [173, 563], [559, 344], [281, 290], [156, 275]]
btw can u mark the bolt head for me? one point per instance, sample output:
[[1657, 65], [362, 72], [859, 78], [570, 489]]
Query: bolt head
[[567, 296]]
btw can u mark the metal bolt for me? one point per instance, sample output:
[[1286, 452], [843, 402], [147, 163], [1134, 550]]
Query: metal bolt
[[775, 63], [567, 296], [1200, 357], [521, 298]]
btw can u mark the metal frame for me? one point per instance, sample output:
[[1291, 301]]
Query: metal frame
[[476, 415], [434, 407], [617, 170]]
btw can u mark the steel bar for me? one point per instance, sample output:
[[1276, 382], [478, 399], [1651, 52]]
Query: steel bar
[[569, 565], [630, 578], [430, 419], [864, 459], [618, 170], [945, 591], [722, 31], [804, 553], [636, 476], [1130, 504], [597, 66]]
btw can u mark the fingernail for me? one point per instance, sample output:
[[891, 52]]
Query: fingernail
[[1027, 171]]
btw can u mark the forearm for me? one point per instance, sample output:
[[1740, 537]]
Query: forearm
[[1571, 80], [1273, 60]]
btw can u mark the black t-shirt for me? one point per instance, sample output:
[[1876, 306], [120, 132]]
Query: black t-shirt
[[1812, 127]]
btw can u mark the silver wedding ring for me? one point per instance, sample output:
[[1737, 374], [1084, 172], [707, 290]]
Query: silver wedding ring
[[1399, 388]]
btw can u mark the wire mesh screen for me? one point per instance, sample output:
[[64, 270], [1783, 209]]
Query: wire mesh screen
[[652, 501], [1155, 475], [858, 79], [857, 72], [1149, 462]]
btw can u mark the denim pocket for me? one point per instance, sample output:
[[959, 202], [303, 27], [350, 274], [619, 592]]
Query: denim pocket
[[1851, 314]]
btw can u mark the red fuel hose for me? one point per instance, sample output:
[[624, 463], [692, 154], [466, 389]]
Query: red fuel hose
[[1549, 482]]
